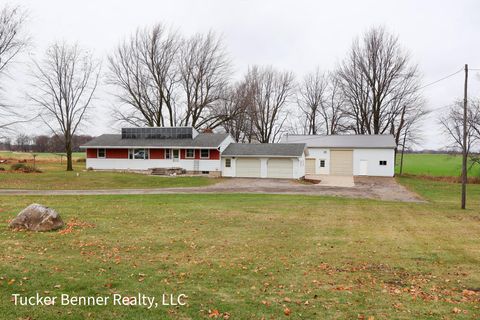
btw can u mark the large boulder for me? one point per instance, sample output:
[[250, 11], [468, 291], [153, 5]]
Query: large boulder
[[36, 217]]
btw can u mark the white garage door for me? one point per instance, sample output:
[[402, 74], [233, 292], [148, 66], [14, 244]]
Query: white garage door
[[280, 168], [248, 168], [341, 162]]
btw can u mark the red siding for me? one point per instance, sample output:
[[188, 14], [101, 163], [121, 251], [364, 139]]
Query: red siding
[[182, 153], [157, 154], [197, 154], [91, 153], [117, 153], [214, 154]]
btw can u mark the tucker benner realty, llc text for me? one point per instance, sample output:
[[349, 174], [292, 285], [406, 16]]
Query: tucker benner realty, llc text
[[141, 300]]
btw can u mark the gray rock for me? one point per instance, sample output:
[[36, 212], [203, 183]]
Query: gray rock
[[36, 217]]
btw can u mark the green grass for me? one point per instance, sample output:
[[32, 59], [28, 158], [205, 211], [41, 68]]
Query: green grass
[[54, 176], [252, 255], [434, 165]]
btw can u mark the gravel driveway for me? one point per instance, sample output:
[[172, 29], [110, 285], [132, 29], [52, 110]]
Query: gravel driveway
[[380, 188]]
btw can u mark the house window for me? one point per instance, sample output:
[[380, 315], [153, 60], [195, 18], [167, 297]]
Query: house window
[[322, 163], [190, 154], [138, 154], [383, 162], [101, 153], [228, 163], [205, 153], [168, 153]]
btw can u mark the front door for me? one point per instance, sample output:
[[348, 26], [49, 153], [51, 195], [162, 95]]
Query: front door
[[176, 155], [310, 166]]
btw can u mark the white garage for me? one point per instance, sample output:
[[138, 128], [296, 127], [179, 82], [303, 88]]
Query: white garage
[[282, 161], [348, 155]]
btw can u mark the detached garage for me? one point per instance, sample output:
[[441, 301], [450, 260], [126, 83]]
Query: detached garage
[[267, 160], [348, 155]]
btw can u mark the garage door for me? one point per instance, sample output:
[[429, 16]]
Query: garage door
[[280, 168], [341, 162], [310, 166], [248, 168]]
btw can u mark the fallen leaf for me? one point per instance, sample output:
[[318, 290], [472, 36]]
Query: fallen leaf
[[287, 311]]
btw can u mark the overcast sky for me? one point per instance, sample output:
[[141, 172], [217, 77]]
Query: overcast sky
[[441, 37]]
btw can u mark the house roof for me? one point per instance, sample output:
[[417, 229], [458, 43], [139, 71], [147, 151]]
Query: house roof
[[265, 149], [343, 141], [202, 140]]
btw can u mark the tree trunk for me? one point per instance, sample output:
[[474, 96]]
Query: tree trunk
[[403, 150], [68, 149]]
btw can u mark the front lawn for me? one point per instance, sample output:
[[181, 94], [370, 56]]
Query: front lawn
[[252, 256], [54, 176]]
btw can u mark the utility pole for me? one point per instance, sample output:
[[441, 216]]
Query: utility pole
[[464, 151]]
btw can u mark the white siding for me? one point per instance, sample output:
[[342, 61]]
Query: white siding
[[373, 157], [298, 166], [320, 154], [133, 164]]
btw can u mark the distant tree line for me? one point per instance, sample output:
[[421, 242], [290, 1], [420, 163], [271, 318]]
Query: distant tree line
[[42, 143]]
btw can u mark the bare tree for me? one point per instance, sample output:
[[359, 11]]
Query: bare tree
[[145, 71], [452, 123], [205, 70], [380, 84], [237, 109], [23, 142], [411, 134], [311, 97], [65, 82], [271, 92], [13, 40]]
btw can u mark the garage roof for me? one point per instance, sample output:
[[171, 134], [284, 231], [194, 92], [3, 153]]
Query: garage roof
[[290, 150], [202, 140], [343, 141]]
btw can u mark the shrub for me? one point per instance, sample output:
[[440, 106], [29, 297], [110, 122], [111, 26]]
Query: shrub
[[81, 160], [24, 168], [18, 166]]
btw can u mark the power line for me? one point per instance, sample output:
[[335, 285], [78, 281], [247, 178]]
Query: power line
[[444, 78]]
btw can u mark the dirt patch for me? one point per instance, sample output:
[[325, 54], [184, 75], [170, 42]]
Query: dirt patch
[[365, 187]]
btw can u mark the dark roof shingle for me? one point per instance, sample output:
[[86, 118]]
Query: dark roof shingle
[[202, 140], [265, 149]]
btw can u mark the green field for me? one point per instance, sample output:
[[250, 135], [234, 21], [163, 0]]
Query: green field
[[434, 165], [39, 155]]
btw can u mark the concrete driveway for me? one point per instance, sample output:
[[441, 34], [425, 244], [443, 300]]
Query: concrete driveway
[[332, 181], [365, 187]]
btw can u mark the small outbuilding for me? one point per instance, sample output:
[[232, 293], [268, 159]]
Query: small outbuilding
[[265, 160], [348, 155]]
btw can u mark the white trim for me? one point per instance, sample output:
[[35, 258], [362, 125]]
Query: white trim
[[170, 152], [207, 157], [104, 153]]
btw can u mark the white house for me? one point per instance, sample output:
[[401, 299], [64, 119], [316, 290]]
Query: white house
[[357, 155], [266, 160], [147, 148]]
